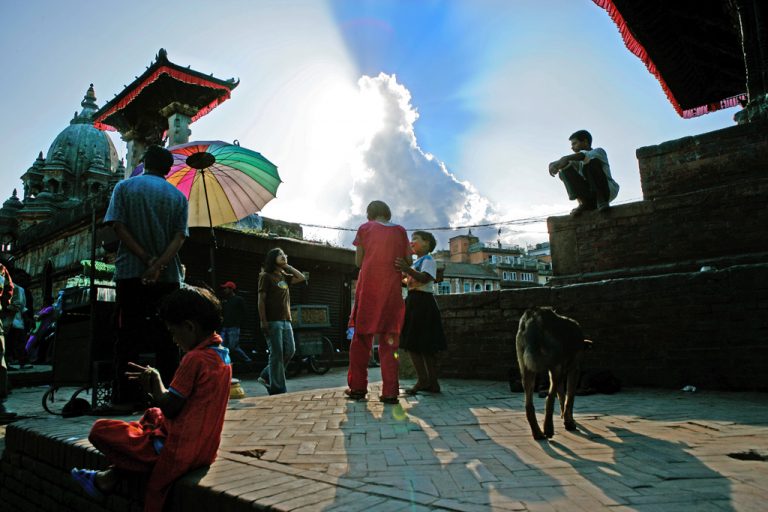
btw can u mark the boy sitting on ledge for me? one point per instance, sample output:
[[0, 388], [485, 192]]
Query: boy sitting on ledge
[[586, 174], [183, 431]]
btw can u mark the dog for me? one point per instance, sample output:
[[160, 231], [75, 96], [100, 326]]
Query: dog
[[550, 342]]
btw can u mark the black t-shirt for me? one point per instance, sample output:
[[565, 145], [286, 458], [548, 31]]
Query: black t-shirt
[[233, 311]]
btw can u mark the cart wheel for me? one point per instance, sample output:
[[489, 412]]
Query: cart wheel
[[49, 396], [321, 363], [86, 388]]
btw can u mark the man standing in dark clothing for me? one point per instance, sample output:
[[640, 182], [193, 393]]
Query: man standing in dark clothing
[[149, 216], [233, 309]]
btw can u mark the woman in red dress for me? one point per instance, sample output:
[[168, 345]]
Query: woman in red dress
[[379, 308]]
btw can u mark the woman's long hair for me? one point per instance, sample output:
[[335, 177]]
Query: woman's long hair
[[270, 260]]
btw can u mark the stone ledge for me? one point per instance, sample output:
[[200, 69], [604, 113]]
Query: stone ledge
[[719, 222], [39, 454], [732, 156]]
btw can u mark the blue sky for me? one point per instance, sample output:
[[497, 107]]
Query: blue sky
[[448, 110]]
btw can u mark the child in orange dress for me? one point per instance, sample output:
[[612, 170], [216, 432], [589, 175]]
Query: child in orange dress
[[183, 431]]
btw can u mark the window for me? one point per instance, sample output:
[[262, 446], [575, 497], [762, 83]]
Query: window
[[478, 287], [467, 287], [444, 288], [507, 259], [505, 276], [488, 287], [526, 276], [513, 276]]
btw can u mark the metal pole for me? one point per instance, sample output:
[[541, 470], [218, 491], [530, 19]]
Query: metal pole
[[92, 290], [214, 242]]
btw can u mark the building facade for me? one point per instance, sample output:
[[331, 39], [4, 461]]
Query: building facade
[[472, 266]]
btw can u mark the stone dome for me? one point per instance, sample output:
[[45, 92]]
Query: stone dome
[[9, 223], [13, 203], [80, 146]]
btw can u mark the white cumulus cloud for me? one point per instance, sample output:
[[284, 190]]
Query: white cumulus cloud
[[391, 167]]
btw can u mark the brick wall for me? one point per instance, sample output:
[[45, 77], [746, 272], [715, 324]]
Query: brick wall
[[732, 156], [35, 464], [717, 223], [709, 329]]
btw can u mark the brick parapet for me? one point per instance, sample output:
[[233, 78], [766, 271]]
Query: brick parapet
[[709, 329], [732, 156], [723, 223]]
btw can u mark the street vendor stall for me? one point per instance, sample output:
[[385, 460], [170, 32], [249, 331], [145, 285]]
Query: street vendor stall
[[84, 338], [314, 350]]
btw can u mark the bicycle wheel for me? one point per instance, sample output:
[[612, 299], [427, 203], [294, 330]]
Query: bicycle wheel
[[322, 362], [293, 368]]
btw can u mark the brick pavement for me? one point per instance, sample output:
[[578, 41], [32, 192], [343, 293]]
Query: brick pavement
[[470, 449]]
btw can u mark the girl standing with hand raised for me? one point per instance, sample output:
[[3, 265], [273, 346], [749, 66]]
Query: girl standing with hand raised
[[275, 317]]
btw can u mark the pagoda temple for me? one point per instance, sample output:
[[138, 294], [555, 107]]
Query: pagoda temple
[[160, 105], [706, 54]]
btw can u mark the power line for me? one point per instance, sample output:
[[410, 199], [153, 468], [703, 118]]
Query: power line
[[519, 222], [512, 222]]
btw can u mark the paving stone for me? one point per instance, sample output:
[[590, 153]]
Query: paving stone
[[468, 448]]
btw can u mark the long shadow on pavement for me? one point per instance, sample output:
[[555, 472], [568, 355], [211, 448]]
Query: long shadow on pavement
[[643, 472], [429, 454]]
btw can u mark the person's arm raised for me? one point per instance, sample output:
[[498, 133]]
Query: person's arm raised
[[298, 277]]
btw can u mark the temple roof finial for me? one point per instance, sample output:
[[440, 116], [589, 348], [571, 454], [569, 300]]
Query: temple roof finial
[[89, 107]]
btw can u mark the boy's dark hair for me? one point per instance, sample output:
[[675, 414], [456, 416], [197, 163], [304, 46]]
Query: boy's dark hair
[[582, 135], [270, 260], [198, 305], [157, 160], [428, 237], [378, 209]]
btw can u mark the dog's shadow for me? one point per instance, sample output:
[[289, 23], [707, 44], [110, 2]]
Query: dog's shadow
[[492, 478], [637, 469]]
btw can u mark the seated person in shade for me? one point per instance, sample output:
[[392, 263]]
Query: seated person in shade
[[586, 174], [183, 431]]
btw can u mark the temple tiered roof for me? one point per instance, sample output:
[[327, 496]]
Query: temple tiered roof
[[137, 108]]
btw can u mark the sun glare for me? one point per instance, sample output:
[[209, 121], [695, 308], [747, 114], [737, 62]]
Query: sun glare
[[338, 121]]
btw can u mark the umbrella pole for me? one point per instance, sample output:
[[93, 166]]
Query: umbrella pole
[[214, 242]]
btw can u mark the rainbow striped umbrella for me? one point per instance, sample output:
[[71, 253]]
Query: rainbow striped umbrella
[[223, 182]]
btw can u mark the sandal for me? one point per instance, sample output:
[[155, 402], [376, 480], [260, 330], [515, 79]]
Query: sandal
[[415, 389], [389, 399], [86, 478], [355, 394]]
